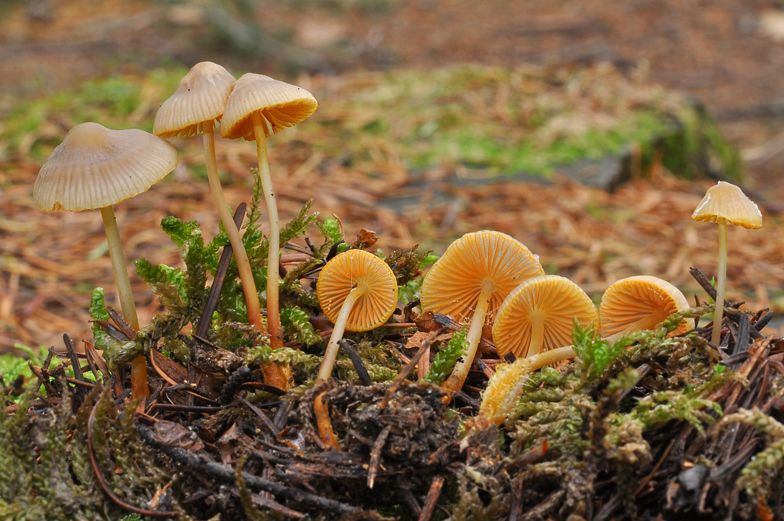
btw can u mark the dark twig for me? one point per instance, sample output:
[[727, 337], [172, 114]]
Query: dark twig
[[528, 457], [258, 412], [409, 368], [432, 497], [75, 365], [124, 326], [226, 474], [102, 480], [359, 364], [743, 337], [234, 384], [220, 276], [760, 324], [375, 455]]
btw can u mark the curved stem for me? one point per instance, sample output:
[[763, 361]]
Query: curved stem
[[325, 371], [644, 323], [537, 336], [273, 310], [139, 384], [459, 374], [719, 313], [507, 384], [243, 264]]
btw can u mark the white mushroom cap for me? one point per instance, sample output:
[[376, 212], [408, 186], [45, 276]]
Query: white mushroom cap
[[201, 96], [727, 201], [282, 105], [95, 167]]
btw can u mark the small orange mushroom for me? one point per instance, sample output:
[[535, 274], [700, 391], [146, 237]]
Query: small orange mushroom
[[470, 281], [725, 203], [639, 303], [95, 167], [258, 108], [534, 322], [357, 291]]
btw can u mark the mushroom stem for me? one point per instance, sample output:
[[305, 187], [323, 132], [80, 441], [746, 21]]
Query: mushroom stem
[[719, 313], [507, 385], [459, 374], [641, 325], [241, 256], [139, 364], [537, 336], [273, 310], [325, 371]]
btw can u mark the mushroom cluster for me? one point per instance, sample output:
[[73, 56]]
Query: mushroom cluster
[[485, 280]]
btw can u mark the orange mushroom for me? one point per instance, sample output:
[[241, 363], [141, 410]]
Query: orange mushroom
[[470, 281], [534, 322], [725, 203], [357, 291], [258, 108], [95, 167], [639, 303]]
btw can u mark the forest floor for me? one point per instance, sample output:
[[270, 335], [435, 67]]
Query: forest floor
[[726, 54]]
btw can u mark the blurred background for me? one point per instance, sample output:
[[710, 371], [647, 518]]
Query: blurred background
[[588, 130]]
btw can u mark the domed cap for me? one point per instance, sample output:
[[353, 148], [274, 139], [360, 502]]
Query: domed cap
[[282, 105], [201, 96], [642, 299], [349, 270], [95, 167], [554, 301], [727, 201], [454, 283]]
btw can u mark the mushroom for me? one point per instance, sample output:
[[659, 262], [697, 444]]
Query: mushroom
[[356, 291], [539, 315], [258, 108], [196, 105], [639, 303], [725, 203], [470, 281], [95, 167]]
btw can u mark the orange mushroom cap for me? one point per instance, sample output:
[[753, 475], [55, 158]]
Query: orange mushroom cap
[[281, 105], [631, 300], [554, 300], [454, 283], [348, 270], [201, 96], [95, 167], [727, 201]]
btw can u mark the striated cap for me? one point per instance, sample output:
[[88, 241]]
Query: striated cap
[[552, 301], [642, 300], [727, 201], [201, 96], [95, 167], [454, 283], [281, 105], [345, 272]]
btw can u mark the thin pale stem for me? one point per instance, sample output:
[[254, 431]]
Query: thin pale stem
[[241, 256], [273, 275], [459, 374], [139, 384], [325, 371], [537, 336], [644, 323], [507, 385], [720, 281]]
